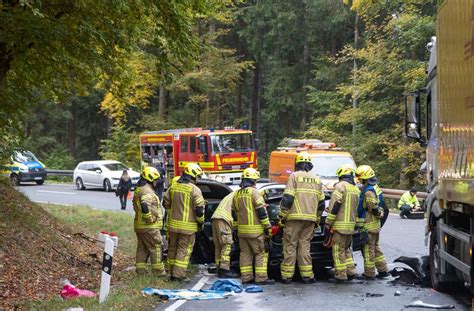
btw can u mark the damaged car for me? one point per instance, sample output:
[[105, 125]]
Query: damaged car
[[214, 192]]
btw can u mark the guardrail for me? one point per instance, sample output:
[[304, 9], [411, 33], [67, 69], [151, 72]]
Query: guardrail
[[396, 194], [59, 172]]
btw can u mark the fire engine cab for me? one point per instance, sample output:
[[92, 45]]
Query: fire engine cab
[[222, 154]]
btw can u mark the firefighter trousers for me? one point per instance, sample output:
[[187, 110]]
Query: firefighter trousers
[[149, 247], [342, 256], [222, 237], [373, 256], [297, 236], [253, 249], [180, 247]]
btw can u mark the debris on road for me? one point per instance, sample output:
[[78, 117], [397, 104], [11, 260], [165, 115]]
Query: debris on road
[[187, 294], [70, 291], [417, 274], [421, 304], [398, 293], [373, 295]]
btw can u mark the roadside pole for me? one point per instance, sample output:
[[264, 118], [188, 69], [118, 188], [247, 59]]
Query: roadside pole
[[109, 244]]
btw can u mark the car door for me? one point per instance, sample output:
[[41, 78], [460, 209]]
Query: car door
[[84, 173], [95, 178]]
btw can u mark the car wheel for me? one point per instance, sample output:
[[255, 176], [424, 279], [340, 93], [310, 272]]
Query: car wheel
[[80, 184], [107, 185], [39, 182], [15, 179]]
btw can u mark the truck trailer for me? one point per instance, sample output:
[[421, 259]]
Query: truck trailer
[[448, 115]]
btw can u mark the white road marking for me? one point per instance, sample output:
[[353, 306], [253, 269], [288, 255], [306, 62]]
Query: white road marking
[[197, 286], [58, 192], [44, 202]]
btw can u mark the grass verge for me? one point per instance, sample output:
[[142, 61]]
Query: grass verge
[[126, 285]]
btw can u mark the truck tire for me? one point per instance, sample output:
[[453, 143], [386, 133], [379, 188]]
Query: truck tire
[[15, 179], [39, 182], [107, 185]]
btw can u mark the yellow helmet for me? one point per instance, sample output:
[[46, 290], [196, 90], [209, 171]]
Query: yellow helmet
[[150, 173], [250, 173], [365, 172], [303, 157], [193, 170], [345, 169]]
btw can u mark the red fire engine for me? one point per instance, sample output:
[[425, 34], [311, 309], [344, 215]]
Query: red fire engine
[[222, 154]]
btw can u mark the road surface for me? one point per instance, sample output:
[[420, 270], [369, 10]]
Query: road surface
[[399, 238]]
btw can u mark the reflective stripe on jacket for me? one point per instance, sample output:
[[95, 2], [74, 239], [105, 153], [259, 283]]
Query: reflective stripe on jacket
[[307, 191], [348, 196], [246, 202], [180, 201], [154, 218]]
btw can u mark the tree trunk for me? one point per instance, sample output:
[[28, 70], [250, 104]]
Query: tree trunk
[[255, 105], [305, 71], [5, 61], [238, 111], [354, 94], [162, 103]]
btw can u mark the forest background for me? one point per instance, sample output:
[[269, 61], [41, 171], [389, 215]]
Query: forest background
[[80, 80]]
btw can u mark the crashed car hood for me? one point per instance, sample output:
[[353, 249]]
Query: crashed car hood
[[213, 189]]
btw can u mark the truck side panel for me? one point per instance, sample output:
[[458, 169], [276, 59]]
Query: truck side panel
[[456, 101]]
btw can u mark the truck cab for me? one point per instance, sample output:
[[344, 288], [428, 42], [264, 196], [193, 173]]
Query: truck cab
[[24, 167]]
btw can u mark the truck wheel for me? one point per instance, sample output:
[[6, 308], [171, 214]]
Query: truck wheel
[[107, 185], [434, 261], [15, 179], [39, 182], [79, 184]]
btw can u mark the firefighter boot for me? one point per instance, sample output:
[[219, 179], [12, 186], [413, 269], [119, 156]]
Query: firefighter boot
[[228, 274]]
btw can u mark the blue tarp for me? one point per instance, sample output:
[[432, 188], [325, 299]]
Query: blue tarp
[[188, 294], [253, 289], [228, 285]]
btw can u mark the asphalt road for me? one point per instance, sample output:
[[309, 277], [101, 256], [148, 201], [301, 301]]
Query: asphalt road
[[399, 238]]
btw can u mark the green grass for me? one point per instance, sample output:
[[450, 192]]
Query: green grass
[[126, 292]]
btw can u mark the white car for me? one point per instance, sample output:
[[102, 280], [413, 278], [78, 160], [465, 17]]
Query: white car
[[101, 174]]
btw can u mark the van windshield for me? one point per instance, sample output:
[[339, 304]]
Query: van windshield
[[24, 156], [326, 165]]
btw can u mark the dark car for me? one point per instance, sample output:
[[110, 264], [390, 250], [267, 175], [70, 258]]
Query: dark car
[[214, 192]]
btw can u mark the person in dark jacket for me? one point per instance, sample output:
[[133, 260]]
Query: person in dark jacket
[[123, 188], [160, 188]]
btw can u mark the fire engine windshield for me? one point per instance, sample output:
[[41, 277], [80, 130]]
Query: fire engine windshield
[[326, 165], [228, 143]]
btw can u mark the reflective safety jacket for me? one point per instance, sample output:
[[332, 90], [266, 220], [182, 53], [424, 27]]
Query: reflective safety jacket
[[409, 200], [154, 218], [245, 203], [371, 198], [343, 220], [307, 190], [224, 209], [180, 202]]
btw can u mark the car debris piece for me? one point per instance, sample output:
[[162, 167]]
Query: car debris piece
[[373, 295], [420, 265], [398, 293], [421, 304]]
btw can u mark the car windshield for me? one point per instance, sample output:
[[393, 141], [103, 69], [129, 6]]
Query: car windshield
[[228, 143], [24, 156], [116, 166], [326, 165]]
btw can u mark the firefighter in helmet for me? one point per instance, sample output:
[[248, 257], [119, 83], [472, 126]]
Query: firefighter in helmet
[[148, 222], [371, 207], [254, 229], [300, 210], [184, 205], [341, 220]]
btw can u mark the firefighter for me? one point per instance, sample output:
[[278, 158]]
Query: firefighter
[[300, 210], [370, 202], [148, 222], [222, 225], [254, 229], [341, 220], [184, 205]]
